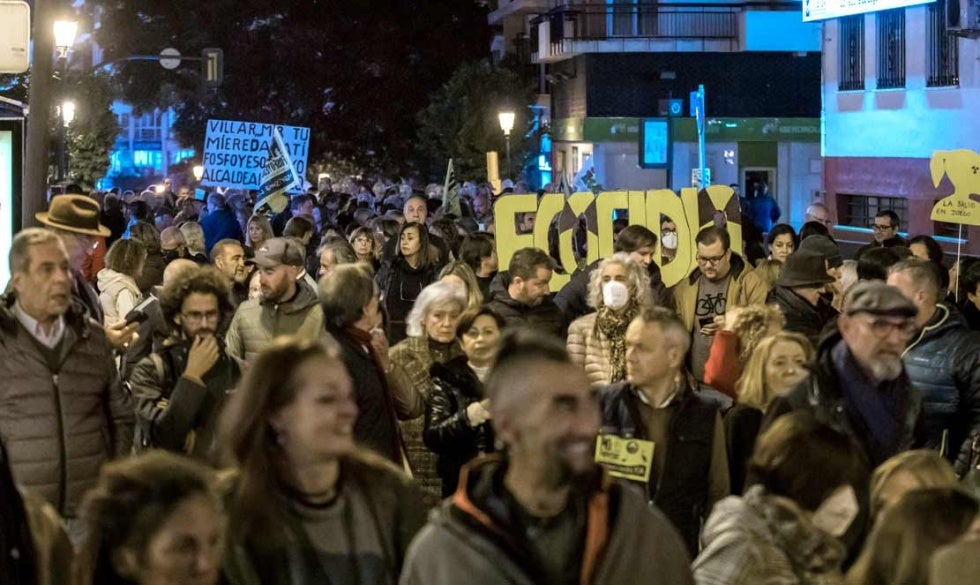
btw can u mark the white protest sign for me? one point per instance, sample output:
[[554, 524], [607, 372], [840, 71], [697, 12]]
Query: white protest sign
[[235, 152]]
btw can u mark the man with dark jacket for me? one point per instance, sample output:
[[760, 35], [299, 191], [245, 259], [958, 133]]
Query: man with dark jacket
[[520, 295], [798, 294], [543, 511], [858, 384], [688, 471], [220, 223], [181, 389], [885, 232], [943, 363], [637, 241], [62, 410]]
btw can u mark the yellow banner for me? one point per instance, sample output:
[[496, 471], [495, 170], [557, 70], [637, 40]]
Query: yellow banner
[[962, 167]]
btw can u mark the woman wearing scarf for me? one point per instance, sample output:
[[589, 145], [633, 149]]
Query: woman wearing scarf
[[618, 290]]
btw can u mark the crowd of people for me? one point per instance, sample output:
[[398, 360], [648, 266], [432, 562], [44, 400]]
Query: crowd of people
[[353, 391]]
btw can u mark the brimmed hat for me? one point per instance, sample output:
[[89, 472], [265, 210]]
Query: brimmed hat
[[804, 268], [278, 251], [74, 213], [877, 298], [825, 247]]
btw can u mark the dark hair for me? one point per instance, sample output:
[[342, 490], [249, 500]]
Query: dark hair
[[428, 254], [526, 261], [297, 227], [450, 235], [933, 249], [712, 234], [205, 280], [141, 211], [146, 234], [634, 237], [814, 228], [805, 460], [299, 200], [520, 349], [344, 295], [219, 247], [892, 217], [970, 279], [781, 229], [467, 319], [217, 200], [388, 227], [126, 257], [132, 500], [873, 263], [923, 273], [476, 247]]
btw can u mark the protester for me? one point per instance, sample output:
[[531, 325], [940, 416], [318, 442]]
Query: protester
[[781, 241], [885, 232], [287, 306], [618, 290], [457, 413], [402, 279], [152, 273], [194, 242], [303, 231], [775, 366], [688, 473], [762, 210], [64, 411], [117, 281], [732, 347], [900, 547], [907, 471], [351, 314], [957, 563], [366, 246], [154, 519], [520, 295], [785, 528], [180, 390], [668, 239], [542, 512], [798, 294], [721, 281], [858, 383], [460, 274], [172, 244], [479, 252], [258, 231], [306, 505], [431, 328], [228, 257], [333, 253], [818, 212]]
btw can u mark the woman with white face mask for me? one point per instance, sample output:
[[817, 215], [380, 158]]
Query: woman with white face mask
[[787, 527], [618, 289]]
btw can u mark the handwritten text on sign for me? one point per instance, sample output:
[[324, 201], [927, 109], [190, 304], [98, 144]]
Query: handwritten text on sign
[[235, 152], [962, 168]]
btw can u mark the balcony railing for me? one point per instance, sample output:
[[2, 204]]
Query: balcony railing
[[592, 22]]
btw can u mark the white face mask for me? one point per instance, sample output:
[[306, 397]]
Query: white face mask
[[615, 294], [670, 240], [835, 514]]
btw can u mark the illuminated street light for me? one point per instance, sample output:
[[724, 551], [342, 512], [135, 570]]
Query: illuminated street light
[[67, 113], [198, 172], [507, 124], [64, 36]]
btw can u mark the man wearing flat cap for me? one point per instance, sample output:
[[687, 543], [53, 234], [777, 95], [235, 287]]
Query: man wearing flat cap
[[287, 305], [858, 383], [799, 294]]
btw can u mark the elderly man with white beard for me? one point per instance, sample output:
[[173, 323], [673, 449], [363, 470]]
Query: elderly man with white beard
[[858, 383]]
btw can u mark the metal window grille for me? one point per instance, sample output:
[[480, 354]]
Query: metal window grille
[[942, 49], [891, 48], [850, 58], [860, 210]]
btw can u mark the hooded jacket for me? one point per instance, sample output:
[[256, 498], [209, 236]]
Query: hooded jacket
[[472, 539], [118, 294], [258, 321], [60, 419], [545, 316], [943, 363], [744, 288]]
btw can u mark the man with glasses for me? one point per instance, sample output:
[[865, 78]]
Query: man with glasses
[[180, 389], [858, 383], [721, 280], [885, 232], [943, 363]]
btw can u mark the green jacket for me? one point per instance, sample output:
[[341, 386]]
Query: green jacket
[[258, 322]]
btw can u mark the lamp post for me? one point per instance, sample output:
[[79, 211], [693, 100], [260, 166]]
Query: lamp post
[[507, 124], [198, 172], [64, 38]]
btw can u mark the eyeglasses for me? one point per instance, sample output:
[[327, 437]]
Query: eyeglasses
[[881, 328], [712, 260], [196, 317], [880, 228]]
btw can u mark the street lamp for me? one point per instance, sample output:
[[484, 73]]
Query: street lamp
[[64, 38], [68, 112], [507, 124], [198, 172]]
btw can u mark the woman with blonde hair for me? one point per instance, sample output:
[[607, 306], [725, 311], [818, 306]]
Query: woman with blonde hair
[[619, 289], [775, 367], [257, 230], [907, 471], [366, 246], [744, 328], [459, 273]]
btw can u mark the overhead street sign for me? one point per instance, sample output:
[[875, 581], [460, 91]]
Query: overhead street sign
[[170, 58]]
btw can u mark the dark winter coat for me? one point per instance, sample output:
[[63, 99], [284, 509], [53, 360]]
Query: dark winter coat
[[545, 316], [448, 432], [400, 285], [218, 225], [801, 316], [152, 274]]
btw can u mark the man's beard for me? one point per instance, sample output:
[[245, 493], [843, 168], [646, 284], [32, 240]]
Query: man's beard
[[886, 369]]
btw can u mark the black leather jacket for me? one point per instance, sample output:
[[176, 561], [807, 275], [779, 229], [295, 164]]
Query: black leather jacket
[[943, 363], [447, 430]]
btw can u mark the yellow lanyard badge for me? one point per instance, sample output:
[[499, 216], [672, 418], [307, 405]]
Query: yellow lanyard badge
[[625, 458]]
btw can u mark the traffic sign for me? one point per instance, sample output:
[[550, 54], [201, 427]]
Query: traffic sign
[[212, 66], [170, 58]]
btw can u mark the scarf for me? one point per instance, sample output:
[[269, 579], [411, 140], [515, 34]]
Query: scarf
[[613, 325], [878, 407]]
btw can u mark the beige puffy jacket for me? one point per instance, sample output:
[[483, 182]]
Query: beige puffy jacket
[[591, 349]]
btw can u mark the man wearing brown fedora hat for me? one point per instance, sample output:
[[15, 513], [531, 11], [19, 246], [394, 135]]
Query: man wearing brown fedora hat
[[75, 218], [798, 294]]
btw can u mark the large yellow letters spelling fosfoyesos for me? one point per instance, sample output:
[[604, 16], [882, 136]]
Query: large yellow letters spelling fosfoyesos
[[691, 211], [963, 169]]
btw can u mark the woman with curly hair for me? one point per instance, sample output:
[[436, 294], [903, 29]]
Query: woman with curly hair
[[744, 328]]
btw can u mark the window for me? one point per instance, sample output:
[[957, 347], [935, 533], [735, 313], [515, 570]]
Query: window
[[850, 54], [860, 210], [891, 48], [942, 48]]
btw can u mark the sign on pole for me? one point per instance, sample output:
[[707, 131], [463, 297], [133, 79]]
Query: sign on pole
[[212, 66], [235, 153], [170, 58]]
